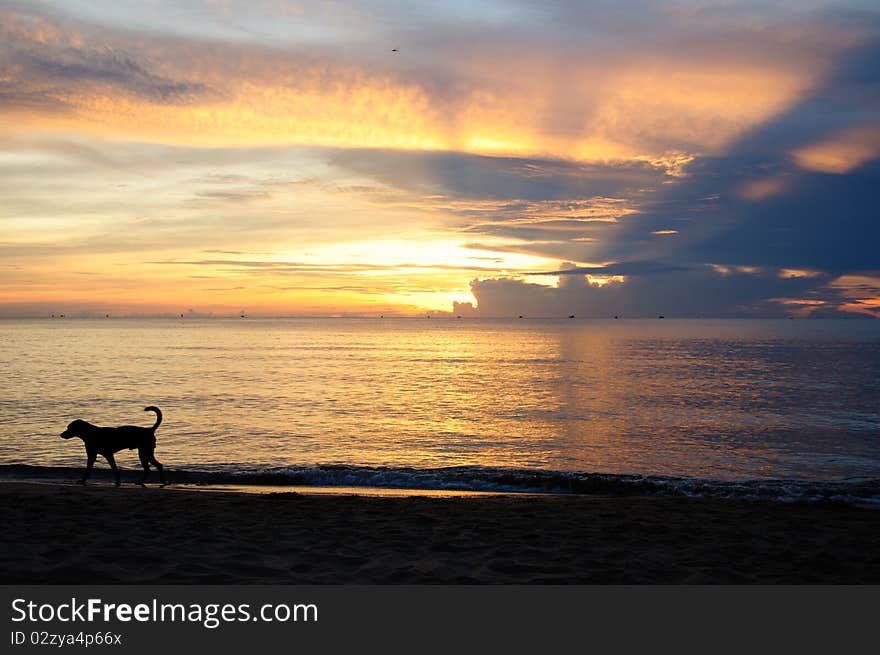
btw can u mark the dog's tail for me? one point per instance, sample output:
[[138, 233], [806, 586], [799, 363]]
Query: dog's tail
[[151, 408]]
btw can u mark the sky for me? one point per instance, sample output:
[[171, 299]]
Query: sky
[[478, 158]]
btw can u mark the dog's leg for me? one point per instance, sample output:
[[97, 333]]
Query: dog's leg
[[146, 464], [159, 468], [90, 462], [112, 461]]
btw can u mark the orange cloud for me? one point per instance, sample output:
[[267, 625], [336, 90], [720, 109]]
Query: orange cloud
[[761, 189], [842, 152], [795, 273], [862, 293], [654, 108], [706, 106]]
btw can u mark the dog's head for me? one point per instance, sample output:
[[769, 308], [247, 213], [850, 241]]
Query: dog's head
[[77, 428]]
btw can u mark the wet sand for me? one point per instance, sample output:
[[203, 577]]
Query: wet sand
[[65, 534]]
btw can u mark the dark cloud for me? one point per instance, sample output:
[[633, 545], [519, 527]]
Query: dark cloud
[[817, 221], [624, 268], [813, 220], [702, 292], [466, 176], [825, 222], [42, 65], [68, 67]]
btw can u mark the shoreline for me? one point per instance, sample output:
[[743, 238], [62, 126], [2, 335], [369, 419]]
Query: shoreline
[[67, 534], [464, 480], [259, 489], [386, 492]]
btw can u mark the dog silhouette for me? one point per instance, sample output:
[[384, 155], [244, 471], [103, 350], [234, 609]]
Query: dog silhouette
[[108, 441]]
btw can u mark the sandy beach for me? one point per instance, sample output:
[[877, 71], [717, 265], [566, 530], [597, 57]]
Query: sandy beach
[[60, 533]]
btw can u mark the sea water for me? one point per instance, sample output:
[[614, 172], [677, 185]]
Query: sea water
[[435, 402]]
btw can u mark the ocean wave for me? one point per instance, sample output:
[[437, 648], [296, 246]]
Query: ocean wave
[[861, 491]]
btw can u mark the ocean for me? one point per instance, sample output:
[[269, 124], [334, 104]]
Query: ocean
[[775, 408]]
